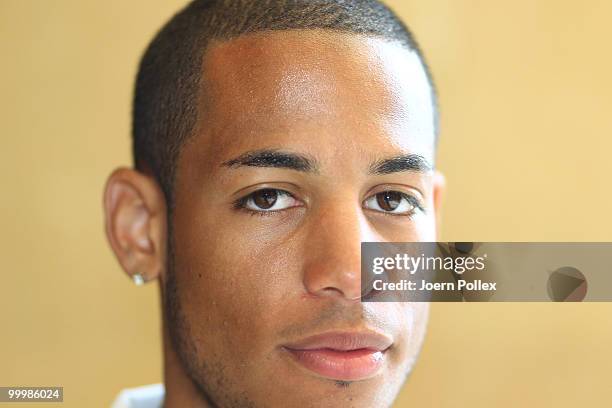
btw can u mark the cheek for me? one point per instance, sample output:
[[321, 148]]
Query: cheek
[[422, 228], [426, 228], [234, 279]]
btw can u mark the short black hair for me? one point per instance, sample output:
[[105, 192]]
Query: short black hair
[[168, 81]]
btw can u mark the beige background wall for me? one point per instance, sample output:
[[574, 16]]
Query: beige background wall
[[526, 136]]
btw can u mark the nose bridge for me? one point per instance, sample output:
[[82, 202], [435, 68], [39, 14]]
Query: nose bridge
[[333, 253]]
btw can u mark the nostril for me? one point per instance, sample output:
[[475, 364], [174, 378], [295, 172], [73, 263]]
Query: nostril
[[333, 277], [332, 291]]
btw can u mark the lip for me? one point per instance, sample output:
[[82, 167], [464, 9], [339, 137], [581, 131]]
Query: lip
[[342, 356]]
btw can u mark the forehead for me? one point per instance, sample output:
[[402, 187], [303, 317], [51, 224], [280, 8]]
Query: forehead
[[308, 87]]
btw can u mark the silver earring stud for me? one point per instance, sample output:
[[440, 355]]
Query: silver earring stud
[[138, 279]]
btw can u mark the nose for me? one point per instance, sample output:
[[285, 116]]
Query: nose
[[332, 266]]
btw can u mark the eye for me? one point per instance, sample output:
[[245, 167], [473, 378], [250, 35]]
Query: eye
[[392, 202], [267, 200]]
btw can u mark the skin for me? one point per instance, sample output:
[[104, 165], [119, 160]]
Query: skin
[[236, 284]]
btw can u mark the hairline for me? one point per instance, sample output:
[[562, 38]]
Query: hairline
[[201, 100]]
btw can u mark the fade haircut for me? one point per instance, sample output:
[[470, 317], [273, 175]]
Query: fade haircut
[[169, 76]]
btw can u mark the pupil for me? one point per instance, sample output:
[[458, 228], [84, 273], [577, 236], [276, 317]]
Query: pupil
[[265, 199], [388, 200]]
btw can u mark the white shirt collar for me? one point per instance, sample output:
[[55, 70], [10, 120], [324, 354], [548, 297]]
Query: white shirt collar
[[147, 396]]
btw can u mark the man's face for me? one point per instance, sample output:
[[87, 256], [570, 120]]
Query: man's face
[[287, 174]]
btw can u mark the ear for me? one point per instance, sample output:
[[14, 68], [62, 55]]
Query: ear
[[136, 224], [439, 188]]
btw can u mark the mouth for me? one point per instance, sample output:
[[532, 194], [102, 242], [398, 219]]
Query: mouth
[[341, 356]]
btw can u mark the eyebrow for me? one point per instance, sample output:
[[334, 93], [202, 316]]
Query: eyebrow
[[273, 158], [294, 161], [396, 164]]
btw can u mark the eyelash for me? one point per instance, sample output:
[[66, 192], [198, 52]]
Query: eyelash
[[240, 204], [410, 198]]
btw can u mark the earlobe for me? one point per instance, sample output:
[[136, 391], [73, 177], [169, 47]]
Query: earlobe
[[135, 214]]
